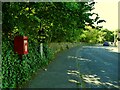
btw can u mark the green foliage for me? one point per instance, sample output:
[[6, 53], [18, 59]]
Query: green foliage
[[16, 71], [59, 19], [109, 35], [96, 36]]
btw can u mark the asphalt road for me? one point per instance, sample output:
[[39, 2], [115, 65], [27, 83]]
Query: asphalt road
[[99, 66], [86, 67]]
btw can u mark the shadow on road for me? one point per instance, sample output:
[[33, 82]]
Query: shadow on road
[[98, 66]]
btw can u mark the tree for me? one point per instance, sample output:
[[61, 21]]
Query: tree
[[61, 20], [109, 35]]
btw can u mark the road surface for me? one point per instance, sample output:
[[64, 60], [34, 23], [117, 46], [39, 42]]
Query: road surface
[[99, 66], [86, 67]]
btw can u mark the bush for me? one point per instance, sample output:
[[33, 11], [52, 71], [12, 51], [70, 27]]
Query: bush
[[17, 72]]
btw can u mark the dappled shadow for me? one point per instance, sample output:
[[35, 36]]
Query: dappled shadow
[[90, 80], [95, 71], [96, 80], [78, 58], [76, 78]]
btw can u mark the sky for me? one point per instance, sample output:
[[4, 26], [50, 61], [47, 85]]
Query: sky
[[108, 10]]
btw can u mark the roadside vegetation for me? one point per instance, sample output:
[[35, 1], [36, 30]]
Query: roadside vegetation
[[48, 23]]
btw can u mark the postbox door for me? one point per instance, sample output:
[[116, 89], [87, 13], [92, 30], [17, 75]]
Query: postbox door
[[18, 44]]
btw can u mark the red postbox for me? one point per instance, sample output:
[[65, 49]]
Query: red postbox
[[21, 45]]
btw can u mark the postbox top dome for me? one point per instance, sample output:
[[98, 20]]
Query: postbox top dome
[[24, 37]]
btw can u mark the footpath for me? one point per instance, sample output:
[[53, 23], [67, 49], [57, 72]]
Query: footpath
[[61, 73]]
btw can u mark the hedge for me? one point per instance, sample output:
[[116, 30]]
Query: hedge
[[17, 72]]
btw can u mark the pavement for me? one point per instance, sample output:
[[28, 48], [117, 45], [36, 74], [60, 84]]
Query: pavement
[[57, 73], [86, 67]]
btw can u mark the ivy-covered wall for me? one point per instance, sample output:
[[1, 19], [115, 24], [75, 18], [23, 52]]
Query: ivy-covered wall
[[17, 72]]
